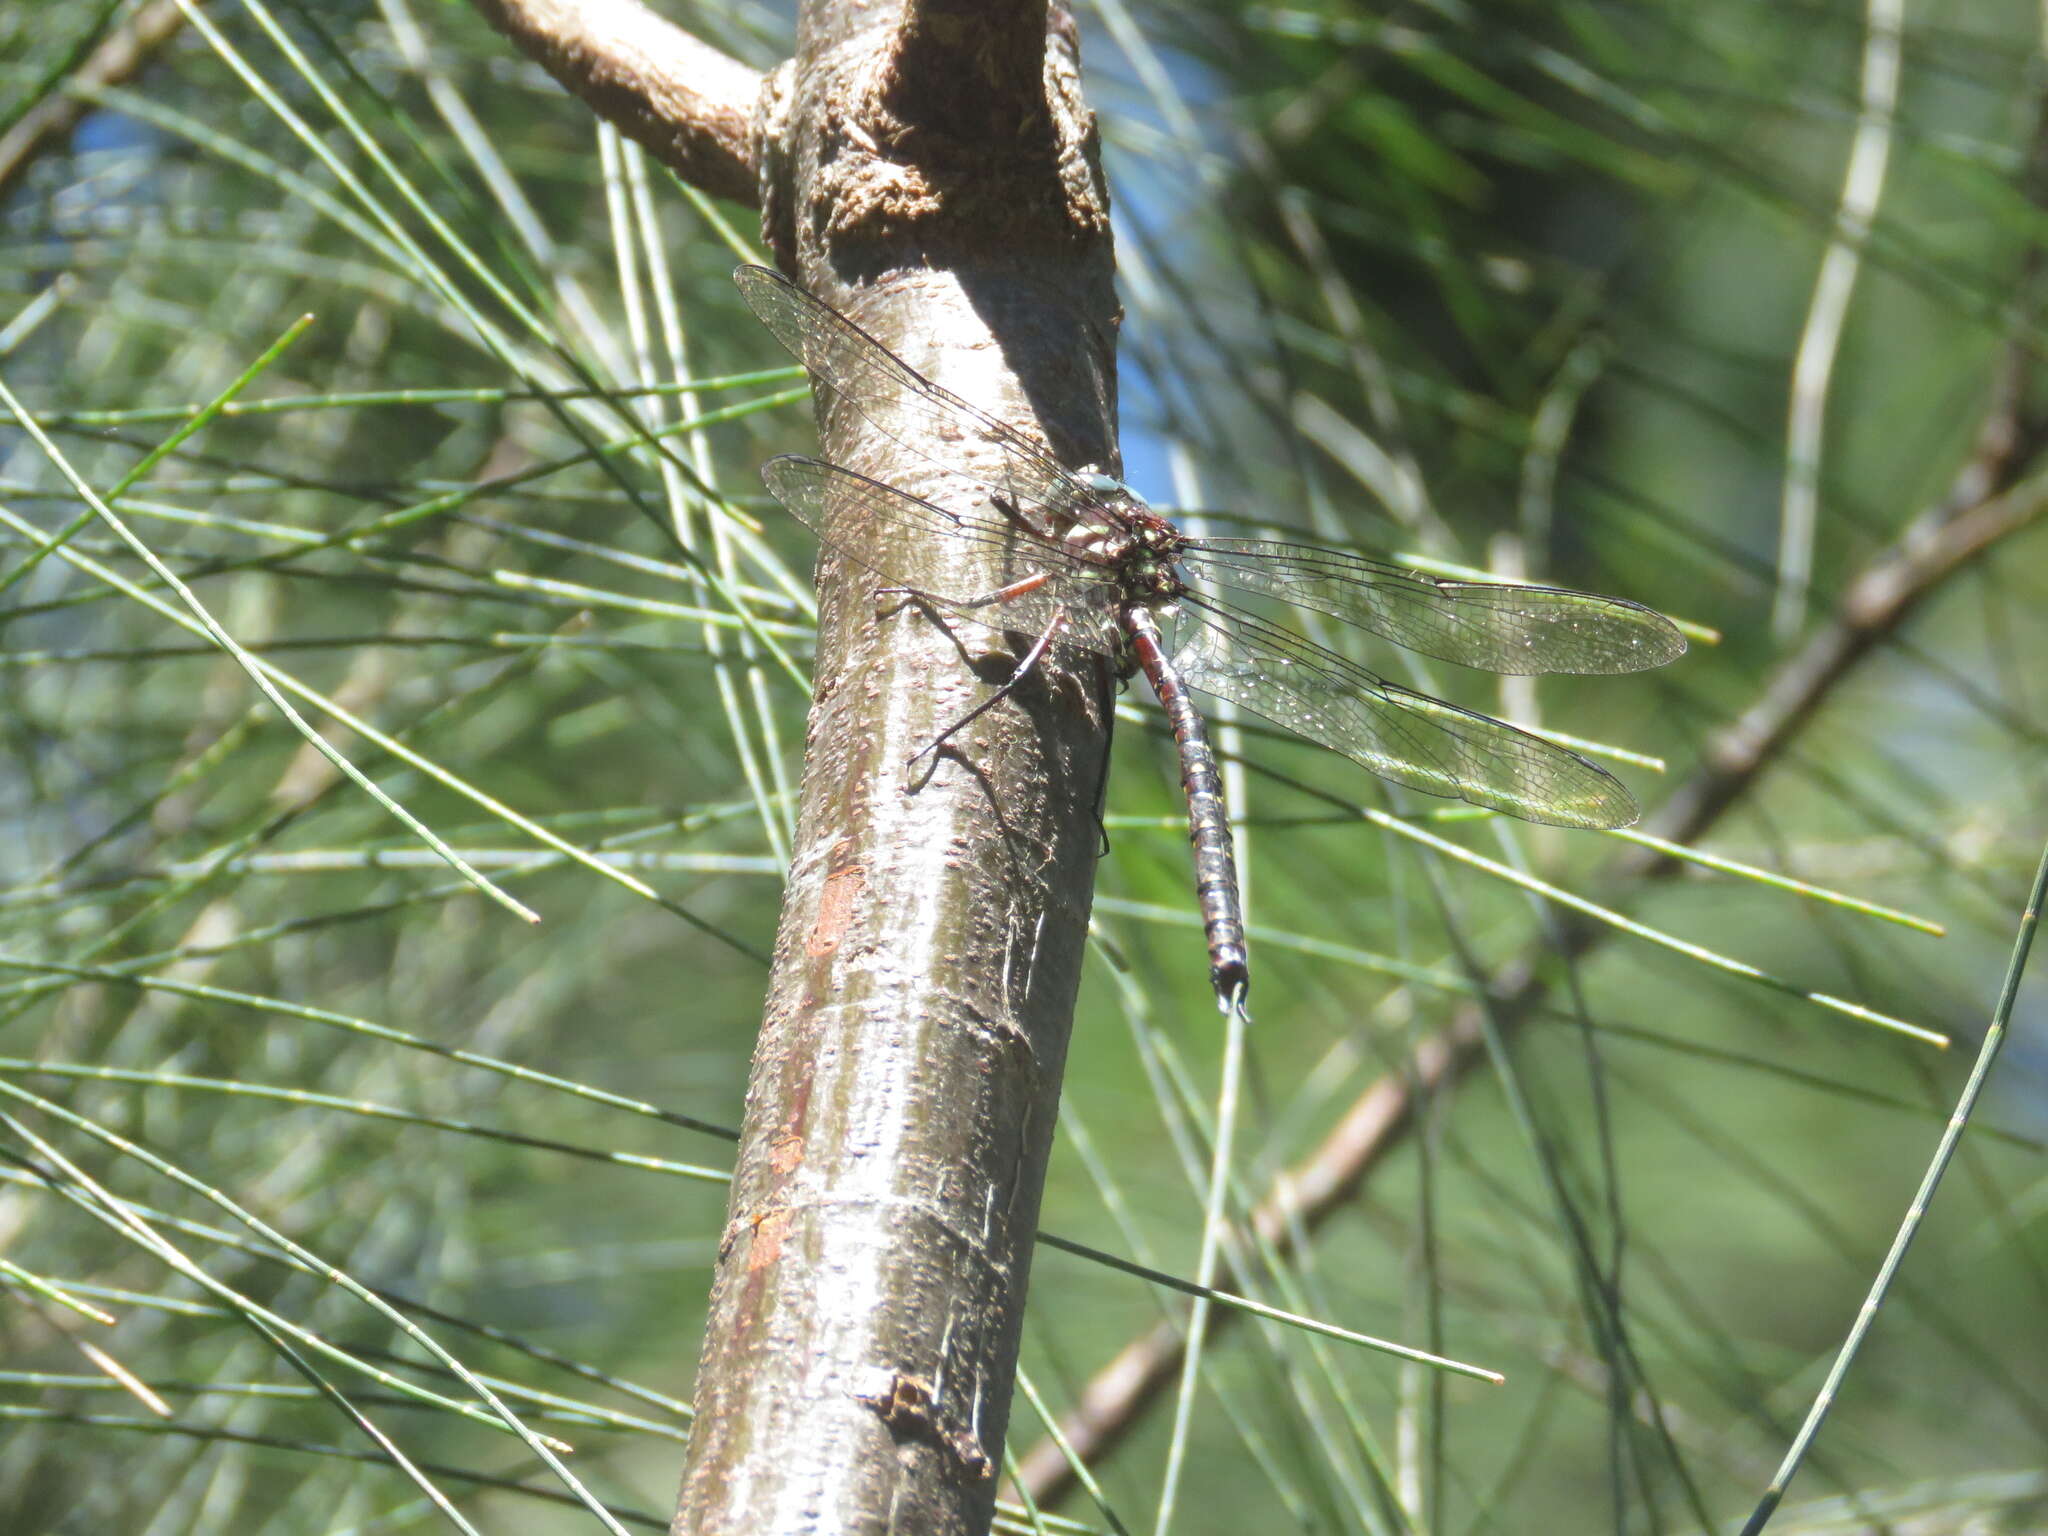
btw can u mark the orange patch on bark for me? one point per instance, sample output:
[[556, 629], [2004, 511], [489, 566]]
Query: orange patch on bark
[[768, 1234], [843, 885], [786, 1152]]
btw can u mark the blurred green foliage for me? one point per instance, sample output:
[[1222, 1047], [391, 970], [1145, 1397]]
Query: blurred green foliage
[[1523, 286]]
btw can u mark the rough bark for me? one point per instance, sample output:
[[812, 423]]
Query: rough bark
[[931, 173]]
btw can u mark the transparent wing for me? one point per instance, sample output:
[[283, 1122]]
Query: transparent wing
[[892, 395], [1033, 580], [1494, 626], [1398, 734]]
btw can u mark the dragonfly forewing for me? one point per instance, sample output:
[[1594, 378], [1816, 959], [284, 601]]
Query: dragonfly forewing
[[899, 401], [1399, 734], [1493, 626], [1020, 582]]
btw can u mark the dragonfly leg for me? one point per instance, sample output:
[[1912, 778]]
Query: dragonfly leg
[[989, 599], [1014, 511], [1023, 670], [939, 614], [1109, 692]]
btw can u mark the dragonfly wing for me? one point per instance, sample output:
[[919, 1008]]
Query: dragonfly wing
[[1395, 732], [1492, 625], [894, 396], [1032, 580]]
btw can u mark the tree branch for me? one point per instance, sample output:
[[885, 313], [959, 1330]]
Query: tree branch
[[861, 1348], [683, 101]]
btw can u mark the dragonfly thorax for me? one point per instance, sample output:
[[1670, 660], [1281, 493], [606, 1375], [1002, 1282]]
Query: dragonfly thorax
[[1119, 530]]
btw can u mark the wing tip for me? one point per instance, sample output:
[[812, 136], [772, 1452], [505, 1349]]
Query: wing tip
[[1607, 809], [784, 463], [1668, 641], [1651, 640], [1610, 816], [1604, 804]]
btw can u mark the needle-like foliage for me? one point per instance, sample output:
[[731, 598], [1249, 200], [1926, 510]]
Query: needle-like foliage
[[383, 563]]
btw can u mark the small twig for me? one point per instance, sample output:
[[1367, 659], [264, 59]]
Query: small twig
[[683, 101]]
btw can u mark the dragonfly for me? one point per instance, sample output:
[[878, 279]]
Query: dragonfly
[[1080, 557]]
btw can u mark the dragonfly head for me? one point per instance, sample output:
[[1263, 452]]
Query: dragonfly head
[[1111, 494], [1108, 488]]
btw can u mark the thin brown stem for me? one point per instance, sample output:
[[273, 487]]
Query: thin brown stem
[[115, 58], [683, 101]]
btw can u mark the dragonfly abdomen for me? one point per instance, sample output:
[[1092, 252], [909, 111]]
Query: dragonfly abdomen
[[1208, 816]]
